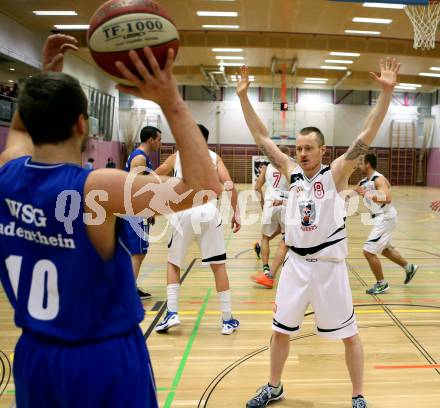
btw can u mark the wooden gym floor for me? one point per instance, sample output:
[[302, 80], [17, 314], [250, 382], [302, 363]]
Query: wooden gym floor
[[196, 366]]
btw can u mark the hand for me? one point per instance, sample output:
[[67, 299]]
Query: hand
[[235, 223], [243, 84], [159, 86], [435, 205], [152, 220], [360, 191], [388, 74], [53, 51], [277, 203]]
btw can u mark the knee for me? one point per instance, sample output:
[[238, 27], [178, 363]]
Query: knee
[[279, 337], [352, 341], [367, 254]]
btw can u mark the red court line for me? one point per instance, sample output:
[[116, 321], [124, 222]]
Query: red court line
[[384, 367]]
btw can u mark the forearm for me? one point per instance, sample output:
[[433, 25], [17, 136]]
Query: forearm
[[234, 199], [260, 194], [375, 118], [253, 121], [18, 138], [197, 168]]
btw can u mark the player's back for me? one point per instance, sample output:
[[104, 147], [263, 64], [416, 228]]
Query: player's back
[[133, 154], [369, 184], [56, 281]]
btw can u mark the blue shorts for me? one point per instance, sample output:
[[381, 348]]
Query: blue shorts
[[113, 373], [135, 238]]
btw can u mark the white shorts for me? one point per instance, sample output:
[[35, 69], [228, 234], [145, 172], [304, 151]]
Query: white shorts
[[380, 235], [273, 218], [322, 284], [203, 224]]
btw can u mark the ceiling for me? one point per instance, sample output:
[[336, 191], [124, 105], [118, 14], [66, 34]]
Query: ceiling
[[304, 31]]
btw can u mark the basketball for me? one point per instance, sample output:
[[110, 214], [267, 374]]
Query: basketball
[[119, 26]]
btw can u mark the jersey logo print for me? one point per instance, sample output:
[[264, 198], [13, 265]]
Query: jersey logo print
[[318, 189], [308, 214]]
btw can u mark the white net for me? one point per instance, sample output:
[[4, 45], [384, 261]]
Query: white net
[[425, 20]]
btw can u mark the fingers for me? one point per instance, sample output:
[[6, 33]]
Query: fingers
[[152, 61], [129, 90], [381, 64], [127, 74], [68, 47], [170, 61], [140, 66], [244, 71], [374, 76]]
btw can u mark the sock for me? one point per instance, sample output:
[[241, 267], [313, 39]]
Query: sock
[[266, 270], [173, 297], [407, 268], [382, 282], [225, 304], [359, 396], [273, 386]]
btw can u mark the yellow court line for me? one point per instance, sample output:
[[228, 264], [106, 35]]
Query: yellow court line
[[266, 312]]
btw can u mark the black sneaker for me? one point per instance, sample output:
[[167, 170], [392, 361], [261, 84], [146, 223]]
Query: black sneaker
[[411, 273], [358, 402], [143, 295], [265, 395], [378, 288], [257, 249]]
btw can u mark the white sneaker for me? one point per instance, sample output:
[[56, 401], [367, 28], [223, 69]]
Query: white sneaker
[[229, 326], [170, 320]]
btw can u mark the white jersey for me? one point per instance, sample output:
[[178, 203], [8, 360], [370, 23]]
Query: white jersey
[[315, 217], [277, 186], [387, 210], [179, 174], [178, 164]]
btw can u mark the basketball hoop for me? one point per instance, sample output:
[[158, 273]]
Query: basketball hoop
[[425, 20]]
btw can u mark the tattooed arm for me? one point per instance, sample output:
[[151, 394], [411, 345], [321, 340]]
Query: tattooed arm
[[344, 166], [259, 131]]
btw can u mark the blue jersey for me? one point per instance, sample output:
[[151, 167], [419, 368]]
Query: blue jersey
[[57, 283], [133, 154]]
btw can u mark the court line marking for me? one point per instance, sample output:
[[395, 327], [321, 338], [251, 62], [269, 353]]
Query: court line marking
[[187, 351], [397, 367], [425, 353], [164, 306]]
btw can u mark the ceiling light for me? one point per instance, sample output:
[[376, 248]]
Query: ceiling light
[[385, 5], [227, 49], [217, 13], [316, 79], [230, 64], [54, 13], [362, 32], [332, 61], [333, 67], [372, 20], [225, 57], [412, 85], [220, 26], [72, 26], [11, 69], [315, 82], [429, 74], [407, 88], [435, 68], [217, 72], [10, 80], [345, 54]]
